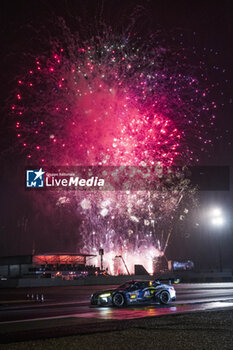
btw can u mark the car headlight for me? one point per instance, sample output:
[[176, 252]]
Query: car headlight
[[105, 295]]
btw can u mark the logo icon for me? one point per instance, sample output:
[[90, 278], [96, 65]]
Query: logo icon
[[35, 178]]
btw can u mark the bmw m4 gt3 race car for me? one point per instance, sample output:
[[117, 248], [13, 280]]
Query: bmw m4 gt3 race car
[[135, 292]]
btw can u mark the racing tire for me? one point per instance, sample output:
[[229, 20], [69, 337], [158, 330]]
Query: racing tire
[[164, 297], [118, 300]]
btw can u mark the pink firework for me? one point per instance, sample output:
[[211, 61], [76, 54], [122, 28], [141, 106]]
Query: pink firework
[[115, 101], [111, 101]]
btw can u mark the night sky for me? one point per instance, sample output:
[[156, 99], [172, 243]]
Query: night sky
[[205, 25]]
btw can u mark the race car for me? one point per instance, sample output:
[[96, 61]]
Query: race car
[[135, 292]]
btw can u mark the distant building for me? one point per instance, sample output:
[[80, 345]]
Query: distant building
[[64, 265]]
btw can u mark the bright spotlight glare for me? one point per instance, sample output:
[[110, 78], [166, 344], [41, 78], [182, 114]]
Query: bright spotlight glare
[[216, 212], [218, 221]]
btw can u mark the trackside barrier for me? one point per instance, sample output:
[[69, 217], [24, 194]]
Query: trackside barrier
[[114, 280]]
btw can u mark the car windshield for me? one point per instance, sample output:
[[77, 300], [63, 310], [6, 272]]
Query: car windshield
[[125, 285]]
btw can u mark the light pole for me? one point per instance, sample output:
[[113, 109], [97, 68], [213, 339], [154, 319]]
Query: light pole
[[217, 221]]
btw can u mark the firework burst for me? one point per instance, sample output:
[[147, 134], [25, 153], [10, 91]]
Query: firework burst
[[111, 101], [115, 100]]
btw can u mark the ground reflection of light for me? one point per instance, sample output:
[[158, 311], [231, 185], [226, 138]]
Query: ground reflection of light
[[173, 308], [142, 311], [106, 312], [151, 312], [218, 304]]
